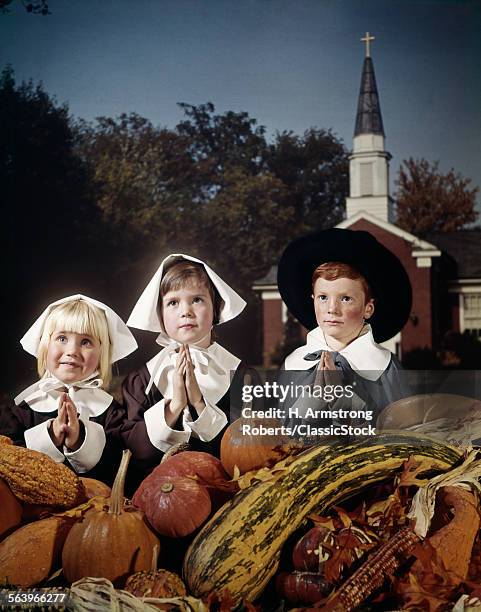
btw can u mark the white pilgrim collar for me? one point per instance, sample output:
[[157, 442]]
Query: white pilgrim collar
[[363, 354], [214, 362], [87, 395]]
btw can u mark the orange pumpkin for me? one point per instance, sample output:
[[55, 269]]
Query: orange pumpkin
[[10, 510], [95, 488], [251, 452], [31, 554], [112, 541]]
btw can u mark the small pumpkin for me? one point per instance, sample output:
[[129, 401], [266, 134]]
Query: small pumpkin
[[31, 554], [175, 506], [112, 541], [95, 488], [156, 582], [10, 510], [308, 553], [248, 451], [193, 463], [302, 587], [203, 467]]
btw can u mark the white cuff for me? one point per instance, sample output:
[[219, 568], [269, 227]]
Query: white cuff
[[210, 422], [88, 455], [37, 438], [160, 434]]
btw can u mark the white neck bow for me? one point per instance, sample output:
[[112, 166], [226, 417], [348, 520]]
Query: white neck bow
[[213, 366], [87, 395]]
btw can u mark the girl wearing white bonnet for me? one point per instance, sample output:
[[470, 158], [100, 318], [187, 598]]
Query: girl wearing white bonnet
[[67, 414], [182, 393]]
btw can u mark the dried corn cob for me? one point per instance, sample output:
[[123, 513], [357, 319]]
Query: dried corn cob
[[373, 572], [37, 479]]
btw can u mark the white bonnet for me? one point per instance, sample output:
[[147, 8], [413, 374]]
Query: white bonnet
[[145, 314], [122, 341]]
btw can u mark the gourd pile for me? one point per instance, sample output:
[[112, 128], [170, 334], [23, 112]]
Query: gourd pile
[[388, 522]]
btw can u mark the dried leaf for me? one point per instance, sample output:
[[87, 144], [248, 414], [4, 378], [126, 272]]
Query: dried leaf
[[322, 521], [347, 549], [217, 483], [411, 470], [77, 513]]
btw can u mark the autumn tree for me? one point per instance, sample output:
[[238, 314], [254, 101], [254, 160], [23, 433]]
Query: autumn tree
[[202, 187], [429, 201]]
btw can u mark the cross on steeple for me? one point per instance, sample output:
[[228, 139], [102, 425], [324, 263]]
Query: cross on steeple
[[367, 39]]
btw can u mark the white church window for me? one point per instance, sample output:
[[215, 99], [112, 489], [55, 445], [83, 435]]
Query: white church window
[[366, 179], [472, 313]]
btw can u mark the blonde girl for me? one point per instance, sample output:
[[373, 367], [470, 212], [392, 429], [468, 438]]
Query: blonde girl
[[67, 414]]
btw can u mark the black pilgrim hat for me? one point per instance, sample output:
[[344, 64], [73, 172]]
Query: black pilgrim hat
[[383, 271]]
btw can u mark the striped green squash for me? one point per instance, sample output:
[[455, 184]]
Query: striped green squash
[[240, 547]]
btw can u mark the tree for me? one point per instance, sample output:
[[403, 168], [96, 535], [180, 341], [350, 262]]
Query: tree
[[49, 218], [428, 201], [213, 185], [138, 172], [202, 187], [315, 170], [40, 7]]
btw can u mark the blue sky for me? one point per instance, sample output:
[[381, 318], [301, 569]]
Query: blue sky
[[291, 64]]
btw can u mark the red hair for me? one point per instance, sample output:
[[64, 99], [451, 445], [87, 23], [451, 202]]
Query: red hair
[[333, 270]]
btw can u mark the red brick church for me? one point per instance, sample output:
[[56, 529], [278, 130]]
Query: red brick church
[[445, 269]]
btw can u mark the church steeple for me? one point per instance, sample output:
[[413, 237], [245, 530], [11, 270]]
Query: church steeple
[[368, 118], [369, 162]]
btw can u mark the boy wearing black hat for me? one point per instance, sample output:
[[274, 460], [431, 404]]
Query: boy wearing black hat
[[352, 293]]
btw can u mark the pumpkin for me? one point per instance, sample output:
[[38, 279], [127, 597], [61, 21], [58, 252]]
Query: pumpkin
[[308, 553], [251, 452], [176, 506], [10, 510], [193, 463], [95, 488], [35, 478], [155, 583], [31, 554], [112, 541], [205, 468]]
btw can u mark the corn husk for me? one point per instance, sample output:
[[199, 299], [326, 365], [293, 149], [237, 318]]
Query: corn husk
[[466, 475], [99, 595]]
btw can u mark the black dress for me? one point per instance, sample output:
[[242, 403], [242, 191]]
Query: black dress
[[134, 432], [16, 420]]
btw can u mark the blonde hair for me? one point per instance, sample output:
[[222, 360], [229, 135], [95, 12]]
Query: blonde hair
[[78, 317]]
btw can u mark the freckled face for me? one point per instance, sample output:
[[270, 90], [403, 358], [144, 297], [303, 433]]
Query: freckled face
[[340, 306], [188, 314], [72, 357]]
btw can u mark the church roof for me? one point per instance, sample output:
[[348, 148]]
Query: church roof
[[463, 247], [269, 279], [368, 118]]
